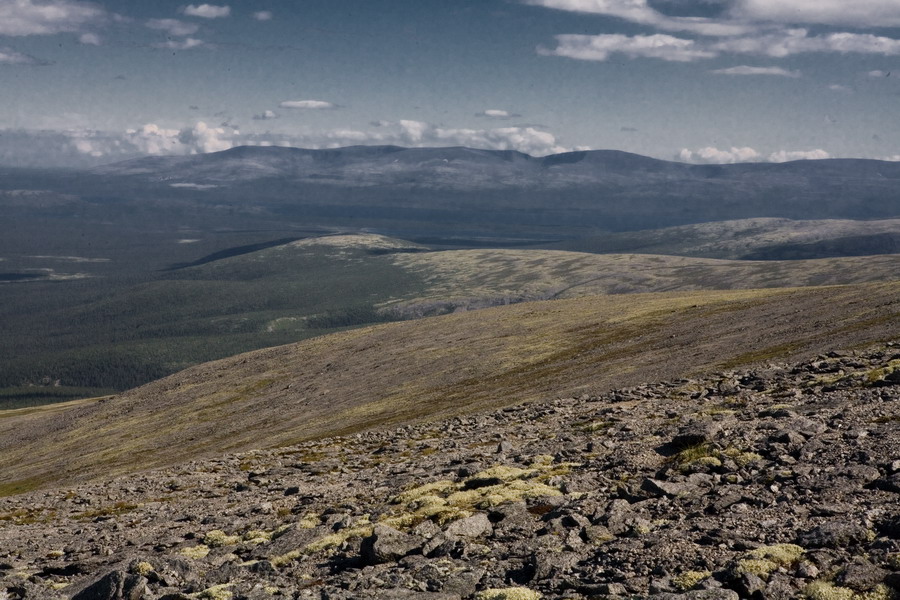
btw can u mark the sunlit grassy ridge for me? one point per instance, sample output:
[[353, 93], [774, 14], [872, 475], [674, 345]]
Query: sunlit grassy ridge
[[101, 340], [425, 369]]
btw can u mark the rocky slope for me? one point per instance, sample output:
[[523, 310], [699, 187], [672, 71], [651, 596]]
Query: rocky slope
[[778, 482]]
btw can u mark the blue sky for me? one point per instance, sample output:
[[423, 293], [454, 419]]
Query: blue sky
[[694, 80]]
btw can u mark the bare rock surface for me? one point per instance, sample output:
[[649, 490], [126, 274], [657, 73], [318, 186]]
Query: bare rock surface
[[781, 482]]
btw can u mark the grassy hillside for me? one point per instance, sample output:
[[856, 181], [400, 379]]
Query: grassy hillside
[[425, 369], [99, 335]]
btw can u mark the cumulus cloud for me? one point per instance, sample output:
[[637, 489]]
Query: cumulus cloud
[[863, 13], [412, 133], [714, 156], [601, 47], [746, 70], [786, 156], [836, 87], [8, 56], [878, 73], [207, 11], [711, 155], [529, 140], [154, 140], [86, 147], [307, 104], [265, 116], [29, 17], [263, 15], [185, 44], [173, 26]]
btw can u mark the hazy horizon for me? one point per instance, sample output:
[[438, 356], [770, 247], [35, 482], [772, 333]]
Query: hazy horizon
[[697, 81]]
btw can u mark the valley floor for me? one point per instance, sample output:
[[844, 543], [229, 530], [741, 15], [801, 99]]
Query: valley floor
[[779, 482]]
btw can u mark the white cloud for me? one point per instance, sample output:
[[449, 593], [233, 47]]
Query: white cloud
[[8, 56], [411, 133], [153, 139], [80, 146], [173, 26], [185, 44], [263, 15], [307, 104], [862, 13], [714, 156], [30, 17], [746, 70], [202, 138], [798, 41], [529, 140], [777, 44], [878, 73], [639, 11], [601, 47], [207, 11], [497, 114], [785, 156], [744, 15], [836, 87], [265, 116], [754, 27], [711, 155], [89, 39]]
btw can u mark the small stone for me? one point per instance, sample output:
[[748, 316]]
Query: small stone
[[470, 527], [861, 575], [695, 433], [834, 534], [387, 544]]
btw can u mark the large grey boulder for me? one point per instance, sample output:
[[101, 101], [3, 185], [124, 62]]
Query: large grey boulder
[[115, 585]]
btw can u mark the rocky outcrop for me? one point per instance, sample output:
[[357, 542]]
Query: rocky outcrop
[[779, 482]]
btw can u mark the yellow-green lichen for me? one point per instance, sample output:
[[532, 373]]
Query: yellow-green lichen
[[763, 561], [218, 538], [741, 458], [142, 568], [445, 501], [689, 579], [309, 521], [512, 593], [256, 536], [823, 590], [216, 592], [196, 552]]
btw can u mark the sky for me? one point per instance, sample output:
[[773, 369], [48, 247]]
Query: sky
[[702, 81]]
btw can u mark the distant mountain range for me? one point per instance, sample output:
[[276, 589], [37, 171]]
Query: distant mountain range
[[422, 192]]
